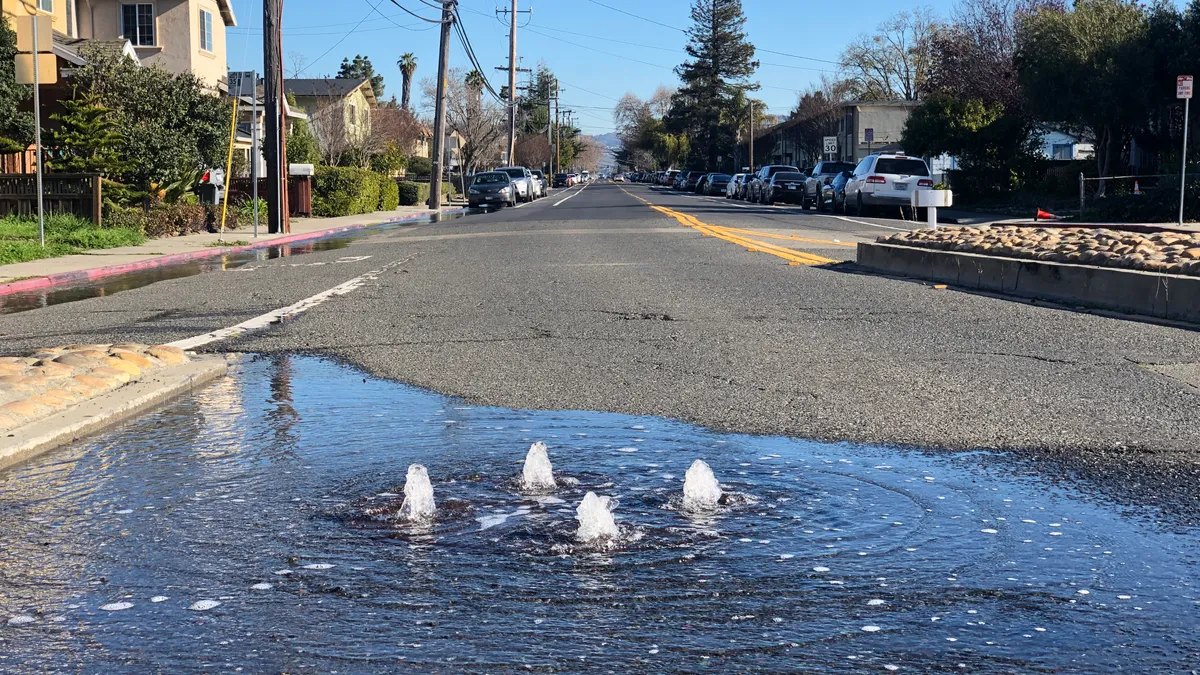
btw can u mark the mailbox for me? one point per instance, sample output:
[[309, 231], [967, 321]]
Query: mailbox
[[934, 198]]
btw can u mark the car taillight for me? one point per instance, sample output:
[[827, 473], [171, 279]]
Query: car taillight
[[880, 180], [925, 182]]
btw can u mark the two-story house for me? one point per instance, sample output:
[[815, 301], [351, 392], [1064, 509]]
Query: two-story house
[[339, 111], [182, 36]]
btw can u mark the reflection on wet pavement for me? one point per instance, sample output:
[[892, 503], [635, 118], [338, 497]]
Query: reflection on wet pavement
[[249, 526]]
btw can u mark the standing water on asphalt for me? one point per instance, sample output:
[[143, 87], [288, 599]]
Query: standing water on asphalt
[[253, 525]]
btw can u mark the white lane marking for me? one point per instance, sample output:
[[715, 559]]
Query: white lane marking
[[572, 194], [275, 316]]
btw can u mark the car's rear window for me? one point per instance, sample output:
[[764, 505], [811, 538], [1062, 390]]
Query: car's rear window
[[789, 175], [560, 175], [903, 167], [771, 171], [720, 176], [490, 178], [836, 167], [515, 173]]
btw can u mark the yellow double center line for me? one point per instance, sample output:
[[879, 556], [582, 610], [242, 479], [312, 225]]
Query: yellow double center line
[[739, 236]]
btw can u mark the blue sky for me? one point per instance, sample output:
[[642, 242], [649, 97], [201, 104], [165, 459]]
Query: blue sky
[[598, 53]]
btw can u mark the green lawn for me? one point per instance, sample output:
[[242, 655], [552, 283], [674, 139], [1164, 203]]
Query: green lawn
[[64, 235]]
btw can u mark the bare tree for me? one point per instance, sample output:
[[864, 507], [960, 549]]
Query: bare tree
[[660, 102], [590, 153], [533, 150], [328, 123], [479, 122], [894, 63], [297, 63]]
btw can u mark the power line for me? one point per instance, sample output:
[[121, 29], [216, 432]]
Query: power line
[[414, 14], [600, 51], [461, 31], [657, 23]]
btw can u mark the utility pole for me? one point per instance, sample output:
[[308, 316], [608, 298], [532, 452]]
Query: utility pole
[[512, 75], [439, 119], [550, 125], [275, 151], [751, 162], [566, 116]]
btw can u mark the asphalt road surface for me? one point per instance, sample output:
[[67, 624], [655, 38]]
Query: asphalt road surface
[[594, 299]]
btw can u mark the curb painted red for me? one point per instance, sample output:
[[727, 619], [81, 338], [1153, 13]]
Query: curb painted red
[[62, 278]]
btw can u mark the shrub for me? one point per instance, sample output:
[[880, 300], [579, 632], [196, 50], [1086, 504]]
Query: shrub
[[168, 220], [343, 191], [389, 193], [128, 217], [409, 193], [419, 166], [245, 210]]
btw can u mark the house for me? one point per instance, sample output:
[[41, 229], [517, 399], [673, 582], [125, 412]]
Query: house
[[339, 110], [183, 36], [883, 119], [1061, 146], [251, 116]]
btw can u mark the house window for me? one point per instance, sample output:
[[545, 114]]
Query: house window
[[46, 5], [1062, 151], [137, 20], [353, 115], [206, 41]]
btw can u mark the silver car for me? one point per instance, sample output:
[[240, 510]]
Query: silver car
[[735, 183], [523, 178]]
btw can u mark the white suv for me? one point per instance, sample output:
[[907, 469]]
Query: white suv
[[523, 178], [886, 180]]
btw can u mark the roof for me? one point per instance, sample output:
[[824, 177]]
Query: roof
[[881, 104], [329, 87], [70, 49], [226, 9]]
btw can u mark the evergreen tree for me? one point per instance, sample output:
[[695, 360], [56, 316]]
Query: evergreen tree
[[361, 67], [16, 127], [715, 80], [87, 139]]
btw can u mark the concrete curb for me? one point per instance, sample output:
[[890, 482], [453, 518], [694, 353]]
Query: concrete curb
[[94, 414], [64, 278], [1162, 296]]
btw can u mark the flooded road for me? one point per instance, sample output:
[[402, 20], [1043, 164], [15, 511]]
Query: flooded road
[[45, 297], [247, 528]]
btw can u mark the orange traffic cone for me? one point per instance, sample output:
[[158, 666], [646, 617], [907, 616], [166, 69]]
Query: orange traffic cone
[[1045, 215], [1137, 190]]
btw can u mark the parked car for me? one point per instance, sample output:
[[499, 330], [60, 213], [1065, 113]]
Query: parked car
[[717, 182], [618, 178], [668, 178], [542, 185], [701, 186], [492, 189], [523, 179], [833, 193], [731, 188], [784, 186], [886, 180], [822, 174], [687, 180], [561, 180], [574, 178], [754, 190]]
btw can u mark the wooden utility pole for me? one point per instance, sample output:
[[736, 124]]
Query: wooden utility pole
[[512, 75], [751, 162], [439, 116], [274, 143]]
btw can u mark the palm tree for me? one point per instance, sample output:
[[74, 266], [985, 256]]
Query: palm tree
[[408, 66], [475, 82]]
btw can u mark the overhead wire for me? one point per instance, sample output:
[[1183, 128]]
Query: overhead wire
[[461, 31], [343, 38]]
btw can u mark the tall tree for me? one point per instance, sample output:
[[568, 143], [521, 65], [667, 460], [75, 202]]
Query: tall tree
[[87, 139], [479, 122], [717, 74], [361, 67], [1085, 69], [894, 63], [408, 65], [16, 127]]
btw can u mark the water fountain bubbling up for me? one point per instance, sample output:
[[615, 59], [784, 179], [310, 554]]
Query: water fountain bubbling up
[[700, 487], [595, 518], [538, 474], [418, 494]]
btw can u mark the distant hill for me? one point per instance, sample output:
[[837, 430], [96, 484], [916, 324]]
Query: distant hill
[[609, 140]]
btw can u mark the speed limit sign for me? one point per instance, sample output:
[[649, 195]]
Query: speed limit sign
[[830, 144]]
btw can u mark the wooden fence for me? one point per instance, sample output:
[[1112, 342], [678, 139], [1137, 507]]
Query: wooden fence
[[62, 193], [18, 162]]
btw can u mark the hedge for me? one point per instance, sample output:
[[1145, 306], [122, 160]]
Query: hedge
[[417, 194], [344, 191]]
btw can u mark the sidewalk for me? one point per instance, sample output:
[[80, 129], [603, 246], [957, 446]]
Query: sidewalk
[[168, 250]]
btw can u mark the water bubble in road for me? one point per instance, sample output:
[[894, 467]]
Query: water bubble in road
[[418, 495], [595, 518], [700, 487], [538, 474], [203, 605], [116, 606]]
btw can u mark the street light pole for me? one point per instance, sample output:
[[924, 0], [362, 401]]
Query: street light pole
[[37, 127]]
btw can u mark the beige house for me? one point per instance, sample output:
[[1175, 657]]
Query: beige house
[[886, 121], [339, 112], [182, 36]]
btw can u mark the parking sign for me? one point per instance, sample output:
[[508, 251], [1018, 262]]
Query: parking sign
[[1183, 86]]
